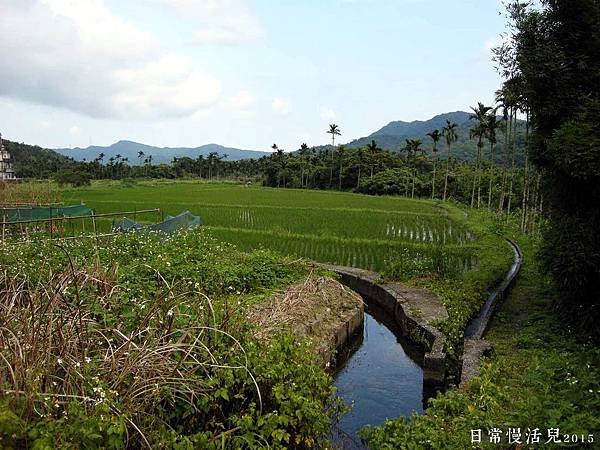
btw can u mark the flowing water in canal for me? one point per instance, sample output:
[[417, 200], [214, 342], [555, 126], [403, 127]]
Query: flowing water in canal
[[381, 379]]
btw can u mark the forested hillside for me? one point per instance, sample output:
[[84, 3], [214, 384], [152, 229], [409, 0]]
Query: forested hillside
[[32, 161], [394, 135]]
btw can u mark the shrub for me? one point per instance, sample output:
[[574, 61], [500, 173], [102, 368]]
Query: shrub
[[73, 178]]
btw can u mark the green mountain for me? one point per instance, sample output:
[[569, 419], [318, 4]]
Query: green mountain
[[130, 150], [393, 136], [31, 161]]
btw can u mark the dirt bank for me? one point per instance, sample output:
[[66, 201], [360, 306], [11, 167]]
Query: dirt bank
[[318, 308]]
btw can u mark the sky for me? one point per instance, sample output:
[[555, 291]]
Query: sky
[[240, 73]]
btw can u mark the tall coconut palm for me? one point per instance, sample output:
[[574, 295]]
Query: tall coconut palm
[[412, 147], [450, 135], [510, 99], [435, 136], [503, 102], [479, 132], [341, 154], [334, 131], [118, 158]]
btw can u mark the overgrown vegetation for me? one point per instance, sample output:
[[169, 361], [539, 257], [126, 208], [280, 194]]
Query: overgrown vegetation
[[427, 243], [462, 289], [143, 341]]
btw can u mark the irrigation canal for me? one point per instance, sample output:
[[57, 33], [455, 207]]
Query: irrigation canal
[[381, 378]]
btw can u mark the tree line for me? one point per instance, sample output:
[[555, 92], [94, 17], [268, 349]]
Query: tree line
[[550, 63], [418, 170]]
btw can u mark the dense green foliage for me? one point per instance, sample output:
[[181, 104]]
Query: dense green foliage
[[552, 65], [115, 314], [36, 162], [368, 169], [73, 178]]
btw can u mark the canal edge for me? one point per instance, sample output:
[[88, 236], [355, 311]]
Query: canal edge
[[412, 309], [475, 347]]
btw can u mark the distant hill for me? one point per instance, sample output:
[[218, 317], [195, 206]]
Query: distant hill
[[130, 150], [34, 161], [393, 136]]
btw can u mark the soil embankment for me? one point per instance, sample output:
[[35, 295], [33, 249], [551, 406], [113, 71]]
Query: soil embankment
[[318, 308]]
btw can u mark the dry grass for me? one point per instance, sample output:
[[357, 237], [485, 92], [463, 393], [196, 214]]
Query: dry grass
[[31, 193], [310, 308], [56, 348]]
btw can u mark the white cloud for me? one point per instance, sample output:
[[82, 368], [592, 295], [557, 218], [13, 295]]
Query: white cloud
[[241, 102], [84, 58], [74, 130], [217, 21], [327, 113], [281, 106]]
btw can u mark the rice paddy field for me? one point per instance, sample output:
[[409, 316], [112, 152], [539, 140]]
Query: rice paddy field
[[126, 284], [331, 227]]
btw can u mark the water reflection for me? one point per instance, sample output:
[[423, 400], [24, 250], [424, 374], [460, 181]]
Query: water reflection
[[382, 379]]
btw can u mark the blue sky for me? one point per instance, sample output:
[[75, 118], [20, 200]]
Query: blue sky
[[242, 73]]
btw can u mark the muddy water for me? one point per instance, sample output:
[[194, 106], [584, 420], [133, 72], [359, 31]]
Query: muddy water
[[382, 379]]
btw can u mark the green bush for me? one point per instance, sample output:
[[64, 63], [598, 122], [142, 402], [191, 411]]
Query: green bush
[[73, 178]]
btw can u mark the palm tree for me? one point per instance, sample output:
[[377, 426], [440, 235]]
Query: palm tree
[[372, 150], [435, 136], [303, 152], [412, 147], [479, 131], [449, 133], [111, 162], [341, 153], [334, 130], [118, 164], [503, 99], [99, 161], [492, 125], [360, 155], [509, 98]]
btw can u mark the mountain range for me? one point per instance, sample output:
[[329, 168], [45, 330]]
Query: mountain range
[[391, 137], [131, 150]]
